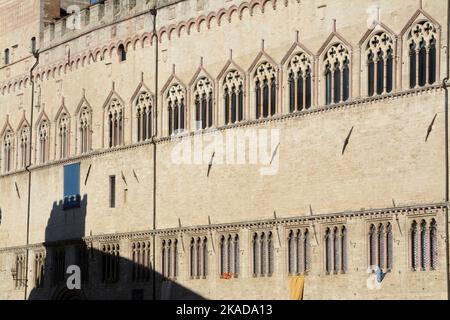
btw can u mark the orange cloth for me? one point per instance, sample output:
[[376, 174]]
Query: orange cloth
[[297, 287]]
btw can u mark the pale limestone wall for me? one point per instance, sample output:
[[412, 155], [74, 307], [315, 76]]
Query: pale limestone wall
[[387, 159]]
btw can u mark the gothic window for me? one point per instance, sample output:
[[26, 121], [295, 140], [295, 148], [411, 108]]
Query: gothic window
[[414, 246], [20, 271], [433, 245], [380, 246], [263, 254], [300, 86], [423, 245], [24, 145], [265, 90], [422, 54], [39, 264], [144, 109], [337, 74], [141, 259], [8, 139], [204, 99], [169, 258], [233, 87], [198, 258], [344, 249], [85, 129], [389, 247], [176, 109], [229, 256], [335, 250], [64, 135], [44, 141], [380, 59], [110, 263], [328, 250], [115, 123], [424, 248]]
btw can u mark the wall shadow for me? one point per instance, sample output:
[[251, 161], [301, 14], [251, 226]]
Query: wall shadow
[[104, 276]]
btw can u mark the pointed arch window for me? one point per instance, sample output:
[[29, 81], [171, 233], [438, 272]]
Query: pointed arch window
[[233, 87], [24, 145], [64, 135], [144, 117], [433, 245], [176, 109], [380, 246], [8, 140], [414, 246], [169, 258], [265, 90], [85, 128], [229, 256], [380, 59], [337, 74], [422, 54], [263, 254], [298, 251], [198, 258], [424, 246], [300, 82], [204, 100], [44, 141], [335, 246], [141, 271], [115, 123]]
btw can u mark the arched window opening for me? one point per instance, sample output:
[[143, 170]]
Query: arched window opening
[[115, 123], [122, 53], [372, 246], [233, 97], [423, 54], [263, 254], [336, 245], [414, 246], [7, 57], [291, 253], [176, 109], [380, 64], [33, 45], [344, 249], [337, 74], [198, 258], [300, 82], [169, 258], [389, 247], [265, 90], [44, 141], [24, 144], [144, 117], [85, 130], [64, 135], [8, 140], [328, 251], [204, 92], [423, 245], [433, 245]]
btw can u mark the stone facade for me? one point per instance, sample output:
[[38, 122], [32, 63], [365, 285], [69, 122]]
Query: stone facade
[[359, 161]]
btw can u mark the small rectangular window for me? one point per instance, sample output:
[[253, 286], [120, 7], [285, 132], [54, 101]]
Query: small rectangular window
[[112, 191]]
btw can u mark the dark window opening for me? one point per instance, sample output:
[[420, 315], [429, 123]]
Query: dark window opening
[[112, 191]]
